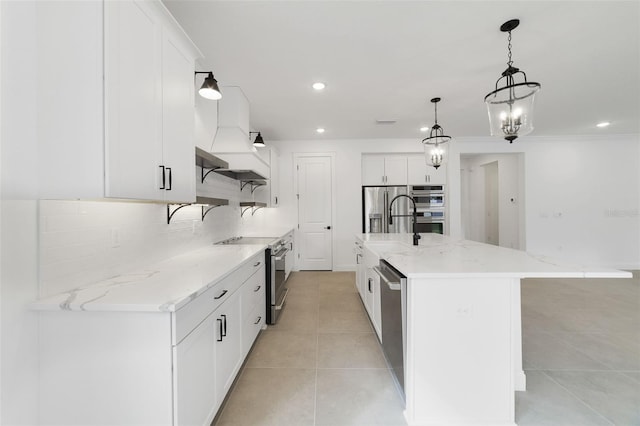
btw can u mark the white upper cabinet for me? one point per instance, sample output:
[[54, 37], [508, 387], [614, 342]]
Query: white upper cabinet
[[132, 138], [420, 174], [384, 170]]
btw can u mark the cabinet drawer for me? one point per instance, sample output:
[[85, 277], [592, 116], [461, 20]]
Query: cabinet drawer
[[253, 292], [193, 313], [251, 326]]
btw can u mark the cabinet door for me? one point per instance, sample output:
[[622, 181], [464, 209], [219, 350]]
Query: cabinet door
[[376, 304], [395, 170], [421, 174], [133, 112], [228, 334], [194, 376], [373, 170], [178, 125]]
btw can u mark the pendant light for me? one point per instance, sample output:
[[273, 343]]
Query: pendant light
[[510, 106], [209, 89], [434, 144], [258, 141]]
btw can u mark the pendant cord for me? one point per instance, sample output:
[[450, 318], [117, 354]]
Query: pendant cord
[[510, 62]]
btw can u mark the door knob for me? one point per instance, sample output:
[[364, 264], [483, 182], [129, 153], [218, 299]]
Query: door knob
[[327, 227]]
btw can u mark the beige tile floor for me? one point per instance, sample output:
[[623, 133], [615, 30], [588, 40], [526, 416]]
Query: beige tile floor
[[322, 364]]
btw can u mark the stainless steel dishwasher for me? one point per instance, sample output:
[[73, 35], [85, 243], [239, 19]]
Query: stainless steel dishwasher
[[393, 290]]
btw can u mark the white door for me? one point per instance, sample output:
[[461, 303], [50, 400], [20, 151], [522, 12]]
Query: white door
[[315, 195]]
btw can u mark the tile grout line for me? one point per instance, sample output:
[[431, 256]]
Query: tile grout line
[[578, 399]]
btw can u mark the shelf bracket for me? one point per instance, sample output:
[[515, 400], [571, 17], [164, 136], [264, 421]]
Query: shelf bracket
[[252, 184], [204, 175], [171, 213], [204, 212], [253, 210]]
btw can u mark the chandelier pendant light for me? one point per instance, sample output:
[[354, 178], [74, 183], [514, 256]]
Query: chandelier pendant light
[[434, 144], [510, 106]]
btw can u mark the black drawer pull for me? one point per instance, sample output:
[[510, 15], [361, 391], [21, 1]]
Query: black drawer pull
[[221, 294], [170, 178], [219, 339], [224, 327], [258, 320], [256, 264], [163, 177], [257, 289]]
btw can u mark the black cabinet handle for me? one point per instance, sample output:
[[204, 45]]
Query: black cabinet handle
[[170, 178], [255, 290], [163, 179], [221, 294], [224, 333], [220, 328], [256, 264], [327, 227], [369, 285], [258, 320]]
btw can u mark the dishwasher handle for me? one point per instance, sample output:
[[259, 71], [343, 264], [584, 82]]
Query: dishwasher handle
[[392, 284]]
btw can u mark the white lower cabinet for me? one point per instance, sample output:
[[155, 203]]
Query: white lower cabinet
[[151, 368], [228, 344], [194, 375], [372, 300], [368, 283]]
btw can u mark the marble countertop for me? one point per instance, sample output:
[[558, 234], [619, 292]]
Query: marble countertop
[[162, 287], [440, 256]]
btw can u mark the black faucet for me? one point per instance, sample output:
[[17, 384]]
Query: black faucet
[[416, 236]]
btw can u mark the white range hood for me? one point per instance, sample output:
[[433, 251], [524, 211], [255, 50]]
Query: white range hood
[[232, 142]]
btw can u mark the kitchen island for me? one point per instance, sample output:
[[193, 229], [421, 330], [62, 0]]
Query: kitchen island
[[462, 322]]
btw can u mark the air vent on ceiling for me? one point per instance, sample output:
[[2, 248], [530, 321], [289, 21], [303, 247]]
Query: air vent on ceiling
[[386, 121]]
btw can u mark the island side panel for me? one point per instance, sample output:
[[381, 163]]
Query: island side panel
[[519, 377], [460, 351], [105, 368]]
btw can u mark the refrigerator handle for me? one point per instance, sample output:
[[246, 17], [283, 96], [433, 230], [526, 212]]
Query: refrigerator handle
[[385, 213]]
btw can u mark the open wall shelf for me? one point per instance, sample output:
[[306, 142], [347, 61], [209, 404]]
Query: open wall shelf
[[208, 163], [251, 205], [206, 205]]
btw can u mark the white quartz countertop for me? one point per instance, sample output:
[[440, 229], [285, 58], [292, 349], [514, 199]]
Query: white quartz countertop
[[161, 287], [440, 256]]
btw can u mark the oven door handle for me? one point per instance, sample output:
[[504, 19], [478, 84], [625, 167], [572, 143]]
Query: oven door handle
[[279, 307], [281, 254]]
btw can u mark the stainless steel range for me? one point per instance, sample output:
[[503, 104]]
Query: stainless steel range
[[277, 271]]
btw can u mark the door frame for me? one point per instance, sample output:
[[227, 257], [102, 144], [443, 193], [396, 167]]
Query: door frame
[[296, 157]]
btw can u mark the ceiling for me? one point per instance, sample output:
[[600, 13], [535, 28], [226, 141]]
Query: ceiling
[[384, 60]]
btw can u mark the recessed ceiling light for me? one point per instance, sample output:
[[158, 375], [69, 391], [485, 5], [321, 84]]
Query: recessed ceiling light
[[320, 130], [424, 129], [319, 86], [603, 124]]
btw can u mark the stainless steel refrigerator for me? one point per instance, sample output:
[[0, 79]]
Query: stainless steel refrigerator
[[375, 209]]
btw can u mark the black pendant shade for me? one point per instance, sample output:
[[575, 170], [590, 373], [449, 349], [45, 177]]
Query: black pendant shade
[[209, 89]]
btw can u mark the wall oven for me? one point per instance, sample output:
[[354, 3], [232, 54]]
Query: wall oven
[[430, 206]]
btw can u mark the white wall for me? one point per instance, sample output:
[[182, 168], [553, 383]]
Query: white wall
[[18, 227], [578, 205]]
